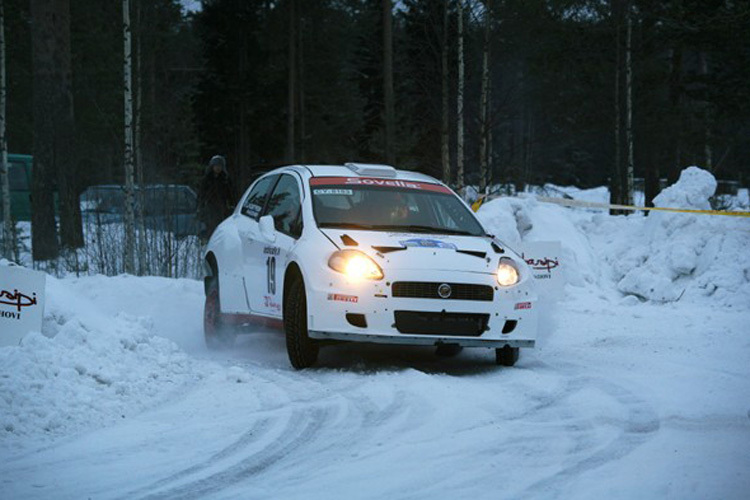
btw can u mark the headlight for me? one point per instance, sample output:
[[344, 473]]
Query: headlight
[[507, 273], [355, 265]]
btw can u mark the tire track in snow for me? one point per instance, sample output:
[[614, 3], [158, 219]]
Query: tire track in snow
[[640, 425], [359, 420], [524, 436], [271, 399], [360, 424], [365, 417], [257, 431], [302, 428]]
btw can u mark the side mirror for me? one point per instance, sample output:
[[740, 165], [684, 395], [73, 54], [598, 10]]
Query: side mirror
[[267, 229]]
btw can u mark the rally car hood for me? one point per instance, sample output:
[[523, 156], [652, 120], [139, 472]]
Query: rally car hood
[[422, 251]]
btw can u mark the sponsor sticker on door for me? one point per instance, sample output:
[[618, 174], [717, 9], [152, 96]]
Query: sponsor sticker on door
[[21, 303]]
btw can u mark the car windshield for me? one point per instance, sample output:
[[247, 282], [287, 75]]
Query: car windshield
[[390, 205]]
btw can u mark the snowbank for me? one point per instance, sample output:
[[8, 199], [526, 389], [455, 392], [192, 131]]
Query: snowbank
[[687, 256], [662, 258], [88, 368], [516, 220]]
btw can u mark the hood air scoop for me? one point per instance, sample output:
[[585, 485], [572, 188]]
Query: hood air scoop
[[349, 241], [475, 253], [387, 249]]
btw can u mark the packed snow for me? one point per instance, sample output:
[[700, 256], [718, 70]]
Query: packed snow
[[640, 384]]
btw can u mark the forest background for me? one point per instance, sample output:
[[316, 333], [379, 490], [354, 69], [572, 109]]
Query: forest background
[[493, 92]]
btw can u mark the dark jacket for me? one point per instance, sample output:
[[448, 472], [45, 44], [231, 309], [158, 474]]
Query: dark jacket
[[215, 199]]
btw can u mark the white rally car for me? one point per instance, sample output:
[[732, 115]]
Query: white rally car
[[364, 253]]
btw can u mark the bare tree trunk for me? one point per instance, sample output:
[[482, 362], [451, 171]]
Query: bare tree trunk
[[301, 67], [460, 102], [292, 94], [529, 148], [490, 160], [143, 250], [708, 154], [524, 132], [242, 146], [678, 126], [44, 242], [129, 251], [484, 101], [71, 234], [615, 189], [628, 198], [7, 249], [445, 126], [707, 151], [390, 120]]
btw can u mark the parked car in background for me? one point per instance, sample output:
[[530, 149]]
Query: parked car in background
[[166, 207], [103, 204], [19, 178]]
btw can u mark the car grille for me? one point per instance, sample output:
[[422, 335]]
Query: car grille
[[429, 290], [441, 323]]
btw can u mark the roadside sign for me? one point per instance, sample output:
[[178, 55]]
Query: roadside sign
[[544, 259], [21, 303]]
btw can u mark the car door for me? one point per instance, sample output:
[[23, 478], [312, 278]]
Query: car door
[[249, 232], [269, 257]]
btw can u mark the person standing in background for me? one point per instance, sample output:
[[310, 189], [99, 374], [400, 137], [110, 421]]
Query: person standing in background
[[216, 196]]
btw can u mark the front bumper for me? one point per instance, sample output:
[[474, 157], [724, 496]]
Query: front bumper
[[332, 298]]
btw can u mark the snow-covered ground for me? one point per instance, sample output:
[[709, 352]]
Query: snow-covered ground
[[640, 385]]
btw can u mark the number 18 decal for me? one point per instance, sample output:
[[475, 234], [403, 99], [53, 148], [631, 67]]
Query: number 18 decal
[[271, 274]]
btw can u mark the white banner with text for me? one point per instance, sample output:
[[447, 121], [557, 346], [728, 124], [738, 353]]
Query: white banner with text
[[543, 257], [21, 303]]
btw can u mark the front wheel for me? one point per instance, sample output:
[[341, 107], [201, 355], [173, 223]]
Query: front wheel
[[217, 333], [506, 355], [302, 350]]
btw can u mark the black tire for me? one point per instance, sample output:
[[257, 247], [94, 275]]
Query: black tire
[[302, 350], [217, 333], [506, 355]]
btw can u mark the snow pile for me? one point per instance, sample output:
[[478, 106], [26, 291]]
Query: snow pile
[[86, 369], [692, 191], [687, 255], [517, 220], [743, 199], [662, 258]]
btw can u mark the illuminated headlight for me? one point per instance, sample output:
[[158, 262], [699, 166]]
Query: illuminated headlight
[[355, 265], [507, 273]]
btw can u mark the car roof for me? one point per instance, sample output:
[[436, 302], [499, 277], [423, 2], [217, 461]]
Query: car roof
[[364, 170]]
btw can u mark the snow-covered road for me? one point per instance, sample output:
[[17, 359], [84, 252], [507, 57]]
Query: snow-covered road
[[621, 400], [626, 395]]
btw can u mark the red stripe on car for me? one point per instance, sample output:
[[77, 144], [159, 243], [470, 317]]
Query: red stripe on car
[[371, 181]]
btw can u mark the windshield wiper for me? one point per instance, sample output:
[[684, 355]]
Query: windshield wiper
[[415, 228]]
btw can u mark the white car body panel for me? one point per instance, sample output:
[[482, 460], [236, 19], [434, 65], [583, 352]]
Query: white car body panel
[[252, 269]]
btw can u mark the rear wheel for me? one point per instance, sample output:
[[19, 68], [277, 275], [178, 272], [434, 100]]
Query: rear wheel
[[506, 355], [217, 333], [302, 350]]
